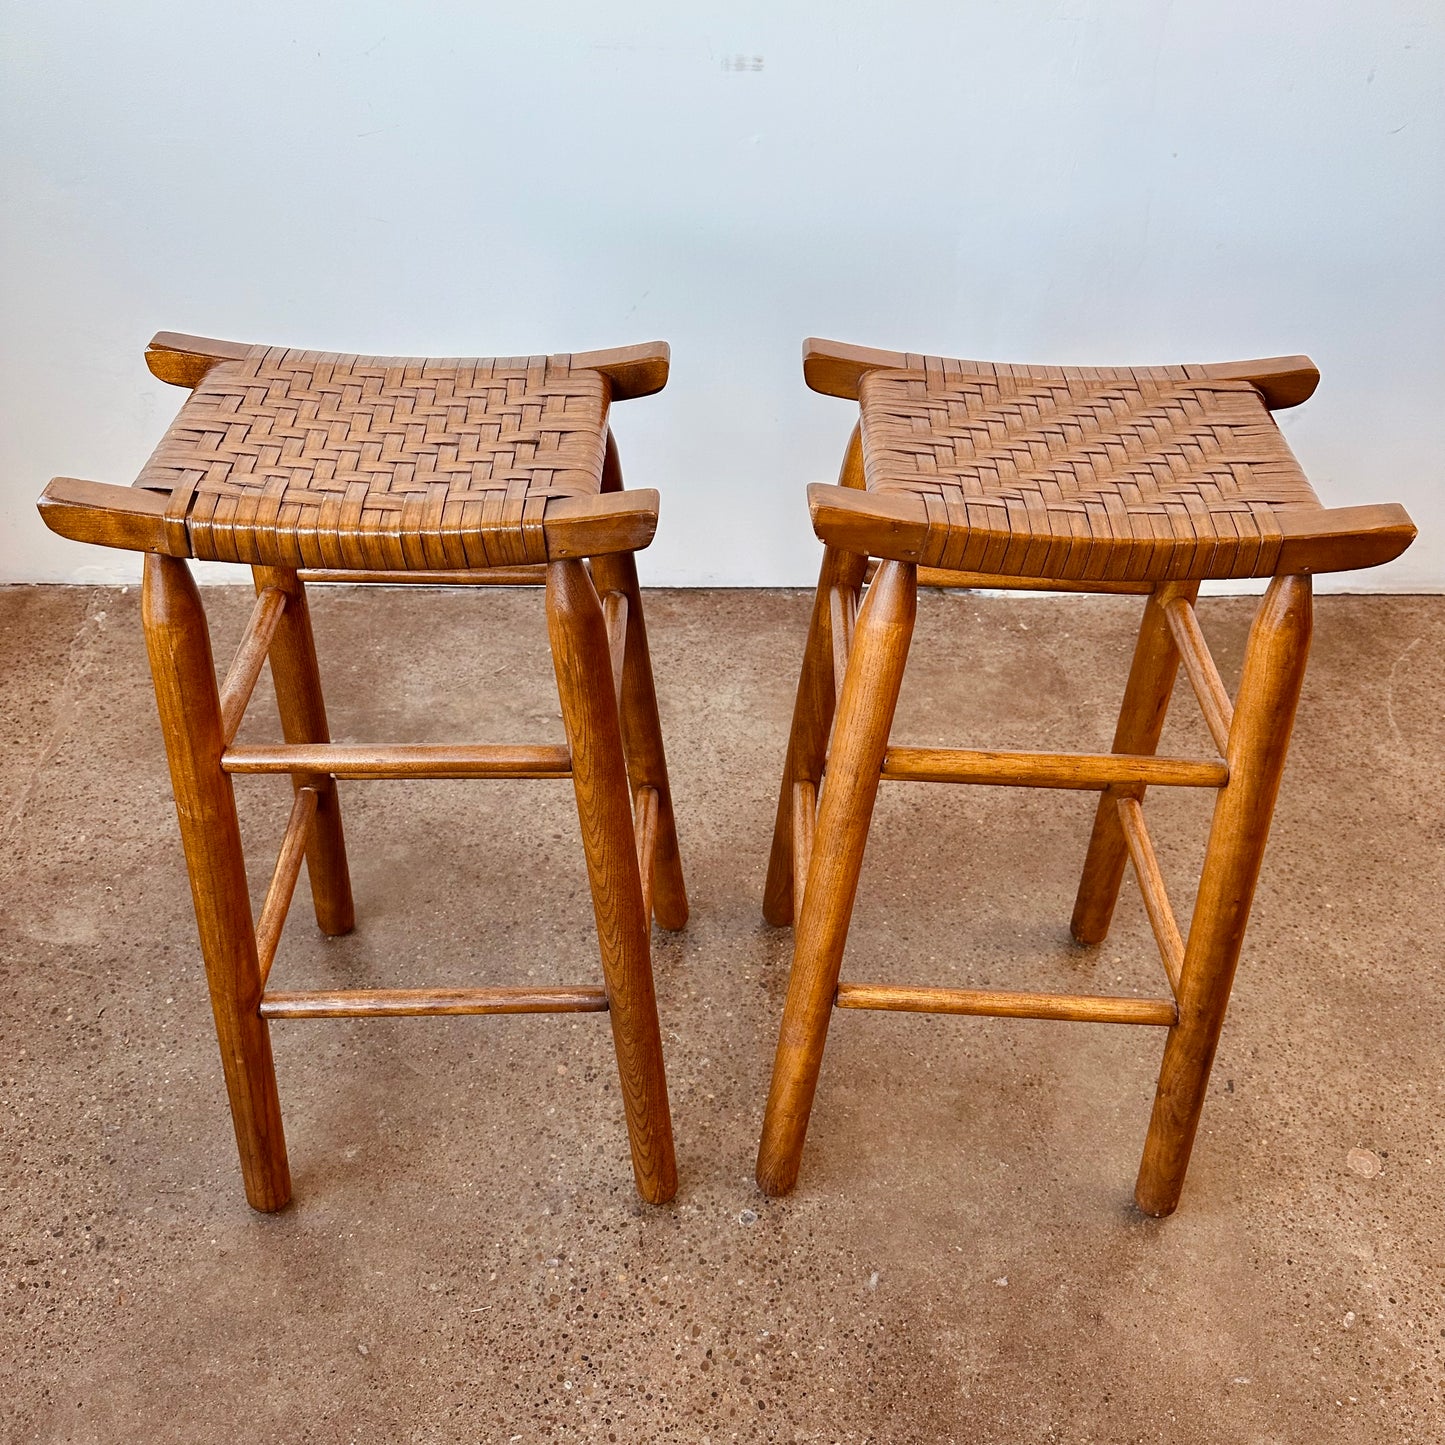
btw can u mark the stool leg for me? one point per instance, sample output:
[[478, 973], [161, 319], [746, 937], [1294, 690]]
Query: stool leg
[[1274, 668], [855, 762], [642, 737], [808, 737], [599, 776], [303, 720], [179, 645], [1141, 720]]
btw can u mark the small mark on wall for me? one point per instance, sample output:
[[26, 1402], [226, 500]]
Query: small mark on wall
[[740, 63]]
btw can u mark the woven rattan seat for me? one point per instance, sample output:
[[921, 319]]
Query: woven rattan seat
[[1079, 473], [968, 474]]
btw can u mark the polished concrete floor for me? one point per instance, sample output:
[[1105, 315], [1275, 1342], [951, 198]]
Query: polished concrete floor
[[465, 1259]]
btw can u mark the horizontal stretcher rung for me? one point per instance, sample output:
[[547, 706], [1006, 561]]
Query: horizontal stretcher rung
[[525, 575], [403, 760], [992, 1003], [1048, 770], [417, 1002]]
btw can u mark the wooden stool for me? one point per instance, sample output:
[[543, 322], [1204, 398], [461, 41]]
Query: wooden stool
[[390, 469], [968, 474]]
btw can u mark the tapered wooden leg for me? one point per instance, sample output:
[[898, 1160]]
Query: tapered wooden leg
[[870, 694], [303, 720], [808, 737], [1141, 720], [599, 775], [179, 645], [642, 737], [1274, 668]]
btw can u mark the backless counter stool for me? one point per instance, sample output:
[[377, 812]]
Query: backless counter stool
[[388, 469], [964, 473]]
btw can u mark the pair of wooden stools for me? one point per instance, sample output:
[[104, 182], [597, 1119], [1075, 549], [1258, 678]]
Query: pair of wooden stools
[[313, 466]]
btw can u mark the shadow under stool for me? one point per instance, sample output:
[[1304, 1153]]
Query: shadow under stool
[[1144, 480], [306, 465]]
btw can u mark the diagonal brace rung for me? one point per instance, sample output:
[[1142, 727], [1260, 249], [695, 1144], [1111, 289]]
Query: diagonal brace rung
[[283, 879], [1151, 885], [1199, 666], [250, 658]]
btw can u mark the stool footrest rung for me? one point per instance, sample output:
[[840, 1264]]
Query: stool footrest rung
[[1095, 771], [419, 1002], [403, 760], [994, 1003]]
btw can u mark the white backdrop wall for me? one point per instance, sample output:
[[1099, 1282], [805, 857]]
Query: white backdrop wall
[[1076, 181]]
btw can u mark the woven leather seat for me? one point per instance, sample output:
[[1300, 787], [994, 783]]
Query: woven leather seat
[[1079, 473], [314, 459]]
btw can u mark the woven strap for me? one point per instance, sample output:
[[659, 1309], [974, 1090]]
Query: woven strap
[[304, 458], [1083, 474]]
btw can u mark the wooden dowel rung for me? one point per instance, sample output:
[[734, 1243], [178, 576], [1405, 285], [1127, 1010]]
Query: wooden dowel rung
[[1214, 700], [805, 824], [1151, 886], [250, 658], [989, 1003], [1048, 770], [418, 1002], [842, 615], [403, 760], [283, 878], [614, 614], [645, 826], [944, 577], [527, 575]]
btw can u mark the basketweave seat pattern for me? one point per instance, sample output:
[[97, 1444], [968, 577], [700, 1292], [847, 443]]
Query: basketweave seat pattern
[[304, 458]]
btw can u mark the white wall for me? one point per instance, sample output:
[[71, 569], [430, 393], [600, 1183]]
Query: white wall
[[1078, 181]]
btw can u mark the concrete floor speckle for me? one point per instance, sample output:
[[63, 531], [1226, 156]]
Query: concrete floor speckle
[[465, 1258]]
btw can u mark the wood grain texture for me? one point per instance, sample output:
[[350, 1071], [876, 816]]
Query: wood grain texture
[[813, 710], [641, 718], [837, 368], [1048, 770], [245, 669], [1000, 1003], [283, 879], [302, 709], [1151, 886], [1141, 720], [580, 657], [1274, 668], [532, 574], [363, 1003], [870, 694], [1209, 690], [183, 670], [403, 760]]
